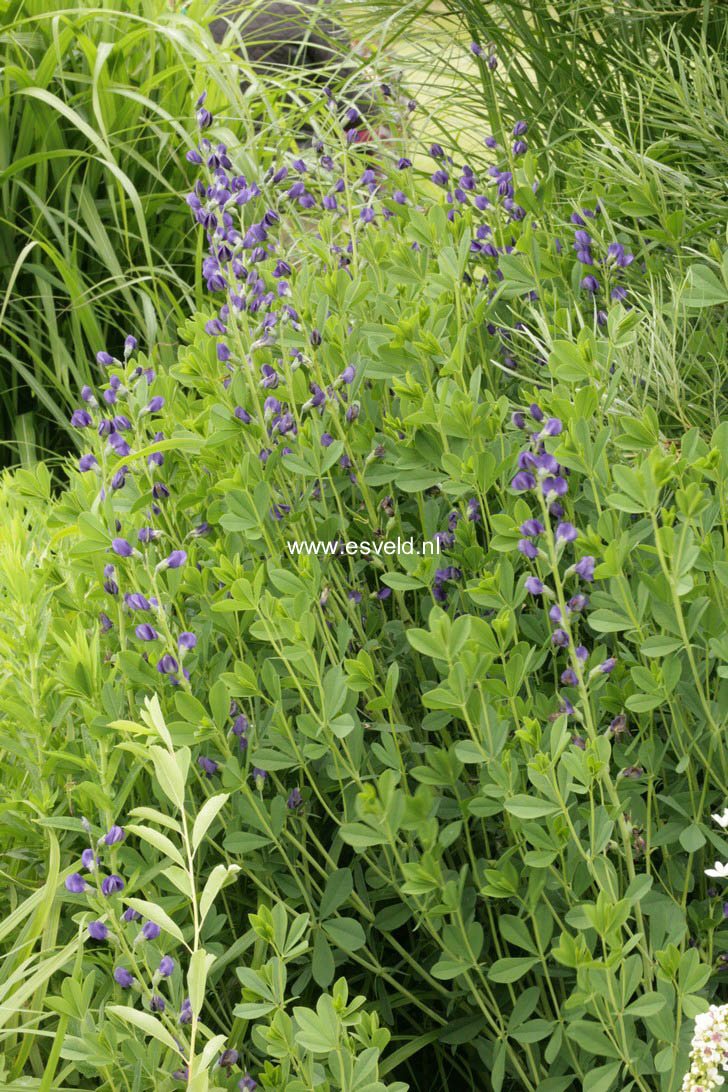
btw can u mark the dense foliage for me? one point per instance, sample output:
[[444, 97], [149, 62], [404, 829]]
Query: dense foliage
[[282, 811]]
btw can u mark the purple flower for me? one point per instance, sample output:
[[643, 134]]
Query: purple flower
[[532, 528], [115, 834], [241, 725], [166, 966], [187, 641], [176, 559], [150, 930], [590, 284], [519, 147], [97, 930], [75, 883], [155, 404], [555, 613], [136, 601], [156, 1003], [167, 665], [384, 593], [81, 418], [148, 534], [89, 860], [578, 603], [553, 427], [104, 359], [110, 885], [581, 653], [106, 623], [528, 549], [556, 485], [208, 765], [121, 547], [228, 1058], [534, 585], [608, 665], [585, 568], [295, 799], [123, 978], [326, 439], [520, 128], [145, 632], [86, 462], [247, 1084], [130, 914], [566, 532], [560, 637], [522, 481], [569, 678], [476, 50]]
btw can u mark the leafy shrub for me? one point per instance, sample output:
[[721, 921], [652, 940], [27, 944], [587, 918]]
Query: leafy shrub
[[478, 781]]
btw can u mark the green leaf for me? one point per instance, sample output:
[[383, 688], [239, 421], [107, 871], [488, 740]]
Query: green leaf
[[646, 1005], [703, 288], [157, 915], [197, 971], [692, 838], [602, 1078], [401, 582], [529, 807], [346, 933], [511, 969], [590, 1037], [660, 645], [217, 878], [160, 841], [323, 966], [567, 363], [339, 886], [206, 817], [168, 775], [145, 1022]]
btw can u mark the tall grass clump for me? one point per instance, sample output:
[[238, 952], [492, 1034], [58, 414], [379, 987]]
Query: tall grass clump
[[93, 236]]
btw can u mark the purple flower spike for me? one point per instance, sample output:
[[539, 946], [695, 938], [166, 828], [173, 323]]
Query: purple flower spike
[[97, 930], [110, 885], [150, 930], [384, 593], [590, 284], [166, 966], [145, 632], [560, 637], [123, 978], [121, 547], [566, 532], [167, 665], [187, 641], [582, 653], [476, 49], [75, 883], [116, 834]]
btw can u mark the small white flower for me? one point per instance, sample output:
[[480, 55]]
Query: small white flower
[[721, 820], [719, 872]]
